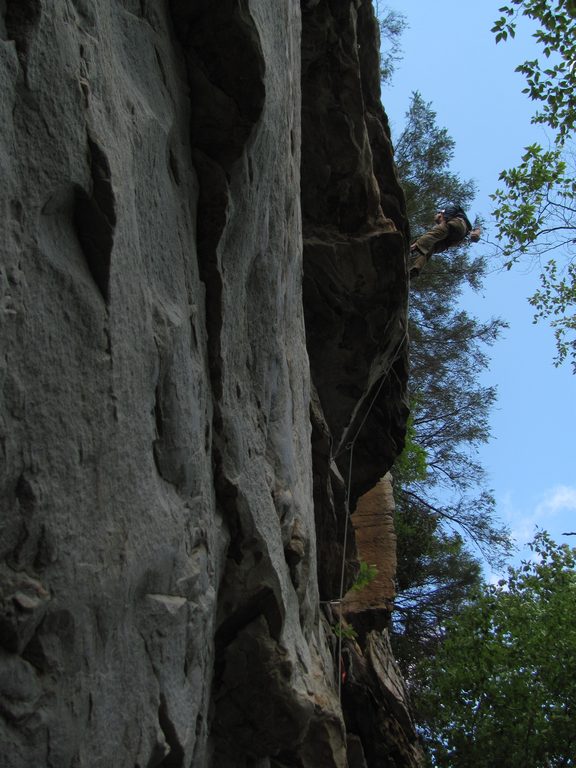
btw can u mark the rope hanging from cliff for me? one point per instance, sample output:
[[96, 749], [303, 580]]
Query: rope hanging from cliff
[[350, 447]]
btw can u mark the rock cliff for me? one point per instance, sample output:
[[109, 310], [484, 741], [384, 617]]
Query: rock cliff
[[202, 319]]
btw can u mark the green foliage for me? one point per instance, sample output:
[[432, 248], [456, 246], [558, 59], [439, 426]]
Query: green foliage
[[435, 576], [535, 215], [344, 631], [423, 153], [556, 298], [392, 26], [535, 209], [501, 689], [551, 81], [366, 575], [410, 466]]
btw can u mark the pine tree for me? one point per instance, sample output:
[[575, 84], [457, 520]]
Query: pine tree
[[443, 505]]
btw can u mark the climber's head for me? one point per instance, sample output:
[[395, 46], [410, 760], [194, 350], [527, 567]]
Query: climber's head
[[439, 218]]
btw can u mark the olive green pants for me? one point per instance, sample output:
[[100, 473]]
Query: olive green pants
[[438, 239]]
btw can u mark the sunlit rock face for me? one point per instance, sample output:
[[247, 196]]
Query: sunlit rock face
[[373, 524], [202, 304]]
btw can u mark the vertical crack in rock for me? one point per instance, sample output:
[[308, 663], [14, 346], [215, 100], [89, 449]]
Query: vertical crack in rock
[[175, 757], [95, 218], [329, 504], [212, 207], [261, 704], [225, 66], [167, 467]]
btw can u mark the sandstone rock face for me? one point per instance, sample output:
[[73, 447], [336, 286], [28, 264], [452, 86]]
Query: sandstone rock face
[[373, 522], [170, 477]]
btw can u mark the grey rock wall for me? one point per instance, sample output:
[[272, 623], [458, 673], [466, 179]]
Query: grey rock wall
[[159, 475], [107, 493]]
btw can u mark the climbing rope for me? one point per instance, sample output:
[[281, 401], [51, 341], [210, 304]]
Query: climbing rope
[[350, 447]]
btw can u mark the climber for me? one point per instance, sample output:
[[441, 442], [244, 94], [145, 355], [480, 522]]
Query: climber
[[451, 228]]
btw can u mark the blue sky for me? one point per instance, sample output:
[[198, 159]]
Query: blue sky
[[451, 58]]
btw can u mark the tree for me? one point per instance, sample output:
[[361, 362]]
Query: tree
[[442, 504], [501, 689], [435, 576], [423, 153], [450, 407], [535, 210], [552, 86], [392, 26]]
